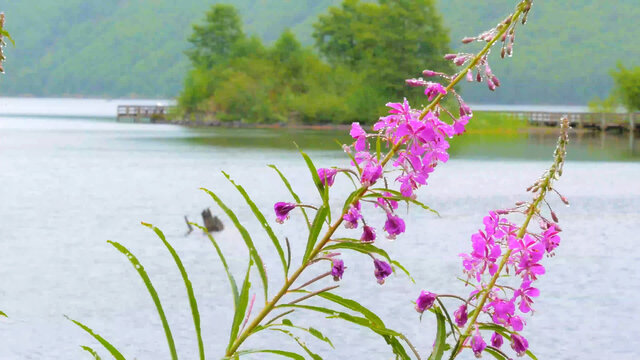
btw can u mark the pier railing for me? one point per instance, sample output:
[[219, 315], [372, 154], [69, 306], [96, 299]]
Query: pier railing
[[139, 113], [596, 121]]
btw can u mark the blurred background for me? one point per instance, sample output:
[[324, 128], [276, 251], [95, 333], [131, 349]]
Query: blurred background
[[116, 112]]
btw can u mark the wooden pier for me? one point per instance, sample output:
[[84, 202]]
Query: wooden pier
[[596, 121], [143, 113]]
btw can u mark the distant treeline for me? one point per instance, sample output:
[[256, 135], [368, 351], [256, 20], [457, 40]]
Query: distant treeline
[[364, 52]]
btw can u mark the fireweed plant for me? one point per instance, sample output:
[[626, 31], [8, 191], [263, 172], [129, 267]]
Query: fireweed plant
[[388, 165]]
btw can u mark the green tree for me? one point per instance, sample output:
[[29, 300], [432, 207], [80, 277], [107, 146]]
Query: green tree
[[214, 40], [389, 41], [627, 86]]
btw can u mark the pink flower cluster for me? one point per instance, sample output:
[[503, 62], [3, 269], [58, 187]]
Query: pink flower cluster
[[419, 140], [506, 305]]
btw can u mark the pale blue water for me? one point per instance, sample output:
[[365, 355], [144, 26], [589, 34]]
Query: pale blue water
[[67, 186]]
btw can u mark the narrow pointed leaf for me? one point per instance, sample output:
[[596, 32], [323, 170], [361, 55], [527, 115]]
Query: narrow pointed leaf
[[350, 199], [313, 355], [154, 295], [441, 336], [295, 196], [232, 280], [239, 314], [247, 240], [314, 332], [494, 353], [3, 314], [187, 284], [110, 348], [314, 232], [288, 354], [397, 196], [265, 225], [315, 177], [91, 351]]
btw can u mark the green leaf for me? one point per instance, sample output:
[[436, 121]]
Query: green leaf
[[247, 240], [265, 225], [316, 227], [397, 196], [6, 34], [316, 179], [152, 291], [314, 332], [114, 352], [441, 336], [353, 305], [3, 314], [91, 351], [232, 281], [448, 317], [313, 355], [239, 314], [187, 284], [288, 354], [295, 196], [496, 354], [370, 320], [350, 198], [333, 314]]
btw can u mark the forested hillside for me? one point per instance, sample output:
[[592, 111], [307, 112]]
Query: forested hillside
[[135, 47]]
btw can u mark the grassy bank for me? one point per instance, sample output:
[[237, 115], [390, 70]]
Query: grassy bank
[[495, 123]]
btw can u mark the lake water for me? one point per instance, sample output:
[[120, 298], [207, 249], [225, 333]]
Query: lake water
[[68, 185]]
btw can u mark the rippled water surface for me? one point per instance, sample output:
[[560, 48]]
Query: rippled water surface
[[67, 186]]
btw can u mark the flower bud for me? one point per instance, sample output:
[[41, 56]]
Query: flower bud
[[416, 82], [470, 76], [460, 60], [554, 216], [425, 301], [467, 40], [478, 77], [429, 73], [450, 56]]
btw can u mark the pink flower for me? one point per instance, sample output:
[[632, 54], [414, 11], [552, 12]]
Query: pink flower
[[519, 344], [368, 234], [382, 270], [327, 176], [337, 269], [359, 135], [425, 301], [526, 292], [432, 89], [460, 315], [550, 238], [459, 125], [282, 210], [477, 344], [352, 216], [394, 226], [496, 340]]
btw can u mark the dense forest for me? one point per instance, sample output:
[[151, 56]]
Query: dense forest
[[364, 51], [136, 47]]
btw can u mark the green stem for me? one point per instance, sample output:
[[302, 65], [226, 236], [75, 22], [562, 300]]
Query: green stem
[[270, 305]]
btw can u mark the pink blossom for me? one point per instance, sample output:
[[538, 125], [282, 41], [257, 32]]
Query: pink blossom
[[327, 176], [394, 226]]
